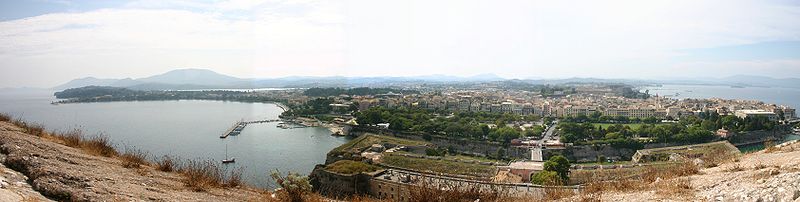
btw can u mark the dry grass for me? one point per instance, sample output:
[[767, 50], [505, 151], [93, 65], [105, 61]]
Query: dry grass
[[734, 168], [769, 147], [198, 175], [652, 176], [234, 178], [72, 138], [99, 145], [445, 192], [133, 158], [759, 166], [676, 187], [167, 164], [201, 175]]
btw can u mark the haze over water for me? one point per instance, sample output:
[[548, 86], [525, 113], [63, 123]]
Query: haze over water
[[186, 129], [773, 95]]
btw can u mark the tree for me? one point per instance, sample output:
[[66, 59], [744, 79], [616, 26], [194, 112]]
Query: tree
[[546, 177], [708, 125], [560, 165]]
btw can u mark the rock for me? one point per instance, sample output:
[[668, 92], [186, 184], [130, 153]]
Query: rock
[[698, 162]]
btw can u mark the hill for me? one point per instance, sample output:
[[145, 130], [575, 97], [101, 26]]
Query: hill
[[46, 167], [767, 175]]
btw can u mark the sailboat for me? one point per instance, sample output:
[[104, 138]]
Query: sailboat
[[228, 160]]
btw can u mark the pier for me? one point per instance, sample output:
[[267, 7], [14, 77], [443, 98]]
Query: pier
[[239, 126]]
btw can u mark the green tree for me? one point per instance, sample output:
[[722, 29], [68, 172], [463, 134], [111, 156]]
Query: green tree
[[546, 177], [560, 165]]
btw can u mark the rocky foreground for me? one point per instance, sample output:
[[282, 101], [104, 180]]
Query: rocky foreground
[[769, 175], [35, 169]]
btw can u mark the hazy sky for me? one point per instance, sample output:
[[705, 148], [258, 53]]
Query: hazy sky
[[47, 42]]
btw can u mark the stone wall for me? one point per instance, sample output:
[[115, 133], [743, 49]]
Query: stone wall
[[340, 185]]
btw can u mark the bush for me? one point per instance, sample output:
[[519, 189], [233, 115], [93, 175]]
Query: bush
[[99, 145], [435, 152], [234, 178], [560, 165], [166, 164], [201, 175], [443, 191], [34, 129], [5, 117], [133, 158], [294, 186], [72, 138], [550, 178]]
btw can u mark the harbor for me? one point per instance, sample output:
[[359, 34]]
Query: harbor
[[237, 128]]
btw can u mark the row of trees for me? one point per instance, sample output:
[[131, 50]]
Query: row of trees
[[470, 125], [691, 129], [325, 92], [597, 117]]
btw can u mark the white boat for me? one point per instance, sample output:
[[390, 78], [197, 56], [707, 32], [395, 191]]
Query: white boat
[[228, 160]]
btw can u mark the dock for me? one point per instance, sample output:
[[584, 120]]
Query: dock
[[239, 126]]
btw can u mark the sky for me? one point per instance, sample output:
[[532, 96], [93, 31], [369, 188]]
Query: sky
[[44, 43]]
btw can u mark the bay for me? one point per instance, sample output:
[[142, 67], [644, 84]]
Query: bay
[[187, 129]]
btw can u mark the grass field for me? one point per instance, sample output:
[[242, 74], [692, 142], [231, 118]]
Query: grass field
[[351, 167], [366, 140], [439, 166]]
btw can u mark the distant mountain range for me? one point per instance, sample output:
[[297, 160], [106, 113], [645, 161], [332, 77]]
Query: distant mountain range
[[182, 79], [206, 79]]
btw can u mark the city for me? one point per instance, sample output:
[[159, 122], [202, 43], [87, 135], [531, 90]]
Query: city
[[399, 101]]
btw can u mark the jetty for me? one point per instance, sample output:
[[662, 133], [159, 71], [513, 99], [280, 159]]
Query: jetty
[[237, 128]]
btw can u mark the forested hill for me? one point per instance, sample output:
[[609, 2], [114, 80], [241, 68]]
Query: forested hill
[[94, 91]]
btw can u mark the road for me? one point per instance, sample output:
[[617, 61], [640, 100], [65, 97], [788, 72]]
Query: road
[[550, 134]]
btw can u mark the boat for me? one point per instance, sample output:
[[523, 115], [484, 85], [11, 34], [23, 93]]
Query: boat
[[228, 160]]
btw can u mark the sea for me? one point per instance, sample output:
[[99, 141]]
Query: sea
[[773, 95], [187, 129]]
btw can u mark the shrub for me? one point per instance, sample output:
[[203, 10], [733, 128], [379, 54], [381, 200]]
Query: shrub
[[166, 164], [550, 178], [99, 145], [294, 186], [133, 158], [443, 191], [560, 165], [5, 117], [72, 138], [34, 129], [234, 178], [201, 175]]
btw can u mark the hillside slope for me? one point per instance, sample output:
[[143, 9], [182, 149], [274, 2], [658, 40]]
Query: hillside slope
[[769, 175], [65, 173]]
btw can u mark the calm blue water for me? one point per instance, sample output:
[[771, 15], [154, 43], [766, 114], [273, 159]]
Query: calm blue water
[[782, 96], [187, 129]]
